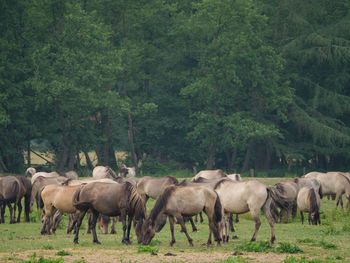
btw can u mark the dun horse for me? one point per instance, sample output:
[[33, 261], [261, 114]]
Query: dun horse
[[110, 200], [333, 183], [242, 197], [100, 172], [209, 174], [56, 197], [179, 201], [152, 187], [309, 201]]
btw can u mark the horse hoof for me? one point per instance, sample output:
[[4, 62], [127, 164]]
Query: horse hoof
[[113, 232], [194, 230], [234, 237], [97, 242], [172, 243]]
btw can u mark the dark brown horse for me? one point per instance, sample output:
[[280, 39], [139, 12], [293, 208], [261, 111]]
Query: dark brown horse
[[184, 201], [110, 200], [12, 190]]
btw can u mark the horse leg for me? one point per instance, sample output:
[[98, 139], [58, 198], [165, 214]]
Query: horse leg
[[230, 220], [183, 228], [123, 219], [294, 210], [19, 211], [3, 206], [196, 218], [255, 216], [339, 200], [171, 223], [79, 219], [93, 226], [237, 220], [130, 217], [266, 209], [11, 212], [201, 217], [194, 228], [302, 217], [56, 219], [89, 223], [114, 221], [71, 223]]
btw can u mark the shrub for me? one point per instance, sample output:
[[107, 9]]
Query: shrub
[[34, 259], [147, 248], [327, 245], [288, 248], [262, 246], [63, 253]]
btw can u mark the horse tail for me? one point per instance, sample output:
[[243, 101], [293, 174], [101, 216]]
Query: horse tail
[[217, 209], [77, 203], [277, 197], [320, 191], [269, 207]]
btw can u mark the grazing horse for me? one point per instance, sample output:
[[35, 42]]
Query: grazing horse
[[333, 183], [30, 172], [12, 189], [309, 182], [152, 187], [110, 200], [242, 197], [309, 201], [100, 172], [43, 174], [56, 197], [179, 201], [209, 174], [39, 184], [288, 190], [126, 171]]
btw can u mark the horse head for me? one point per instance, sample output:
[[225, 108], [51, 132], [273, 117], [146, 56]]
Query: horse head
[[148, 232]]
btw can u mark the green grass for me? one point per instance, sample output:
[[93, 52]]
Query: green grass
[[328, 242]]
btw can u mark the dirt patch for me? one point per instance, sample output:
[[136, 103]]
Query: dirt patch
[[102, 255]]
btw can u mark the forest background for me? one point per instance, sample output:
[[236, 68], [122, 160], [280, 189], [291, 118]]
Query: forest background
[[236, 85]]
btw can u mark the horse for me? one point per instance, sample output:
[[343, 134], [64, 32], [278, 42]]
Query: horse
[[308, 200], [110, 200], [27, 191], [153, 187], [100, 172], [39, 184], [12, 189], [56, 197], [126, 171], [179, 201], [309, 182], [242, 197], [288, 190], [235, 177], [30, 172], [209, 174], [333, 183], [43, 174], [71, 175]]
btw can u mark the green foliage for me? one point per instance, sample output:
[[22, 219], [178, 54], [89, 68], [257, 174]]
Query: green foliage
[[48, 246], [147, 249], [261, 246], [327, 245], [63, 253], [34, 259], [288, 248], [303, 259]]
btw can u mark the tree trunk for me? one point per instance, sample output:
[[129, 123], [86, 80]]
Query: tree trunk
[[247, 156], [88, 161], [211, 156], [71, 161], [28, 154]]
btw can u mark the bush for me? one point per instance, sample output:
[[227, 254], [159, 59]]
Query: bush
[[288, 248], [34, 259], [63, 253]]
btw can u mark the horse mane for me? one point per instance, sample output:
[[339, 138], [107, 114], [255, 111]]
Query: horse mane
[[296, 180], [219, 183], [347, 179], [161, 203], [136, 203], [67, 181], [110, 172], [183, 183], [199, 180], [314, 208], [172, 179]]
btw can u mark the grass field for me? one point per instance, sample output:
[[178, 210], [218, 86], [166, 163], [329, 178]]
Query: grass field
[[329, 242]]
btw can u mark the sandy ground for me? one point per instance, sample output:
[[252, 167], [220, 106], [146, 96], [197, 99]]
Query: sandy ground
[[104, 256]]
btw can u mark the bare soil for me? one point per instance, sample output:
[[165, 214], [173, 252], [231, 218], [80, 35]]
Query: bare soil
[[104, 256]]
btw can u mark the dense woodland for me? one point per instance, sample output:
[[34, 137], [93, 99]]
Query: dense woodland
[[235, 84]]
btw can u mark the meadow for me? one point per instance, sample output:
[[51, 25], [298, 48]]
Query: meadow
[[328, 242]]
